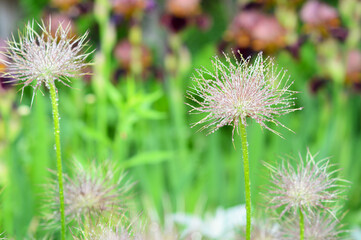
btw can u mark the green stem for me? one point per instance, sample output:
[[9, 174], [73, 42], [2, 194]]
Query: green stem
[[54, 105], [302, 226], [247, 181]]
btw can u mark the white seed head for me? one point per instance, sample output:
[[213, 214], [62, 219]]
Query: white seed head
[[234, 91], [309, 186], [37, 58]]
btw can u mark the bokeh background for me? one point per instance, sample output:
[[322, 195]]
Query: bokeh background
[[131, 109]]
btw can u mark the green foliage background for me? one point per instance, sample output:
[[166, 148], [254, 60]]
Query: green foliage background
[[143, 126]]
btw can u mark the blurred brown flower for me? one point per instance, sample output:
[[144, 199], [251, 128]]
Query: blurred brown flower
[[64, 4], [3, 59], [123, 54], [183, 8], [127, 8], [322, 18], [353, 67], [256, 30]]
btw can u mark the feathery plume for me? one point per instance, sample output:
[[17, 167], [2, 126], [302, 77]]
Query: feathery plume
[[319, 227], [94, 192], [44, 57], [107, 232], [309, 186], [120, 231], [263, 230], [239, 90]]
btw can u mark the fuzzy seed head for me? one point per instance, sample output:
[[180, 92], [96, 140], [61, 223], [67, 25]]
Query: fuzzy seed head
[[120, 231], [265, 231], [237, 89], [309, 186], [319, 227], [262, 230], [107, 232], [96, 192], [44, 57]]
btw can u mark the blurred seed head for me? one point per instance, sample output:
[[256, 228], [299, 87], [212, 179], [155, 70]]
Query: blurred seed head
[[321, 226], [262, 230], [98, 191], [307, 187], [107, 232], [38, 58], [234, 91], [116, 230], [154, 231]]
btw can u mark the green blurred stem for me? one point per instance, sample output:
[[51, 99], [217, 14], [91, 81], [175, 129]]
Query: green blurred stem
[[247, 181], [302, 226], [54, 105], [103, 70]]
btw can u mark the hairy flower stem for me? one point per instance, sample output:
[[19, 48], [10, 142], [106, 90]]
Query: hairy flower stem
[[247, 181], [302, 226], [54, 105]]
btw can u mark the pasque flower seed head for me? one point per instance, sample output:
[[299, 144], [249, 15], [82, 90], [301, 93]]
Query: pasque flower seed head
[[107, 232], [321, 226], [309, 186], [44, 57], [94, 192], [237, 89]]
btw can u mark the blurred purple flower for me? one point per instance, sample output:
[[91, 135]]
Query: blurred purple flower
[[256, 30]]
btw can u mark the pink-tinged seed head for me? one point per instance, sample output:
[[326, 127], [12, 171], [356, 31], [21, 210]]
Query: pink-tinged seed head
[[238, 89], [309, 186], [95, 192], [321, 226], [46, 56]]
